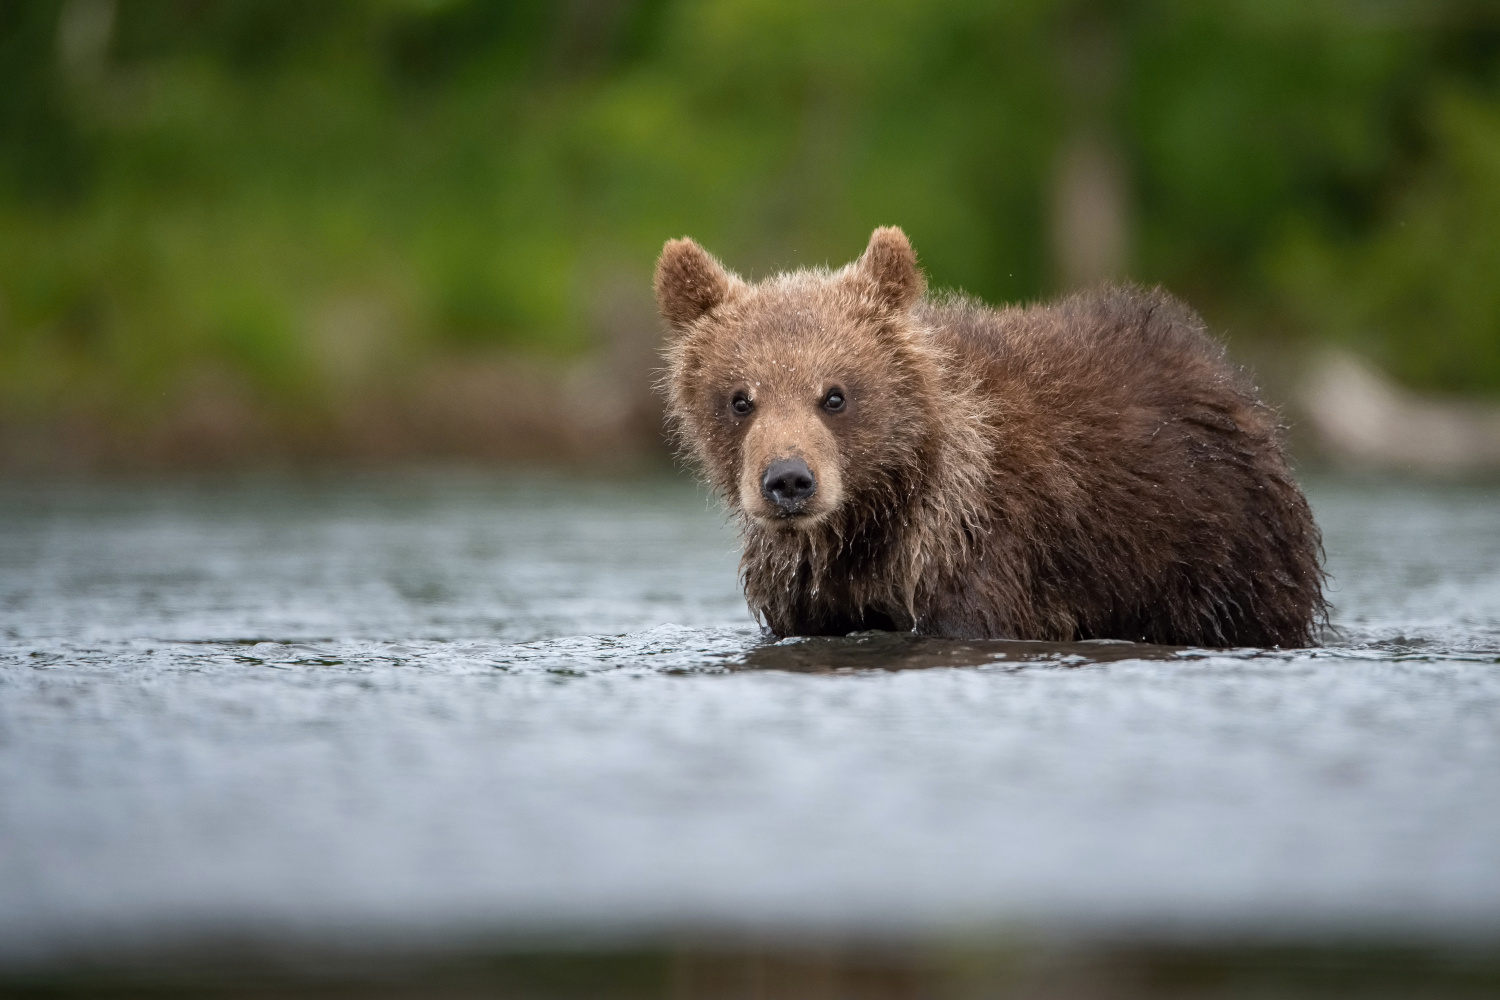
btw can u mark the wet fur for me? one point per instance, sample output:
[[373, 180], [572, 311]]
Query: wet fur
[[1089, 469]]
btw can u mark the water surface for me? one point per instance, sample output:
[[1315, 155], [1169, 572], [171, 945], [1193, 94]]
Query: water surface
[[446, 704]]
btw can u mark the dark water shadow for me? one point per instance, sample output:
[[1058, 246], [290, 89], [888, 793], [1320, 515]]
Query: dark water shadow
[[903, 651], [816, 970]]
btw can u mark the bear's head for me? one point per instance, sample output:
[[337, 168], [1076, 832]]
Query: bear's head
[[807, 397]]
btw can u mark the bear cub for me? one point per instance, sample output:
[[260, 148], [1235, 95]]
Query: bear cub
[[1089, 469]]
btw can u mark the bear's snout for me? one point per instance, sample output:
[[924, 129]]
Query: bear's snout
[[788, 483]]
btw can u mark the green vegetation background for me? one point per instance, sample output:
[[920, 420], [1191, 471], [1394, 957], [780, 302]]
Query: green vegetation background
[[307, 195]]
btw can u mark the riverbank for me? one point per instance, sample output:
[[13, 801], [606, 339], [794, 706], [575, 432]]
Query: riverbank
[[493, 409], [599, 411]]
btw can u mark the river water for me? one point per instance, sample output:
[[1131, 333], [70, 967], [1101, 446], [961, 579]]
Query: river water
[[447, 704]]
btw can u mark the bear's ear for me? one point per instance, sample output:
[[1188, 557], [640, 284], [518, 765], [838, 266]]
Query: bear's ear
[[689, 282], [892, 265]]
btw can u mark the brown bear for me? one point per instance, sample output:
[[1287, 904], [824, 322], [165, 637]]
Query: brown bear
[[1089, 469]]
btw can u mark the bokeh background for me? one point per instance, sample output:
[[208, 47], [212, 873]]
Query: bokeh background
[[242, 231]]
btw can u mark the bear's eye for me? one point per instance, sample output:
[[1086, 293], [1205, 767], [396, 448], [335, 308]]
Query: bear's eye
[[741, 404], [834, 401]]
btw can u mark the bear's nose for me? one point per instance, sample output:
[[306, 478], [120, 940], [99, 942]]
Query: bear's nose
[[788, 483]]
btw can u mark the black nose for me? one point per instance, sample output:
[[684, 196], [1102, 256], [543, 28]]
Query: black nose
[[788, 483]]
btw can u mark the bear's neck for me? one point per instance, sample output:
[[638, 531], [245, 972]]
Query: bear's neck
[[837, 577]]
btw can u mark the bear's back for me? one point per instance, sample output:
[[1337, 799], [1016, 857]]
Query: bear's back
[[1137, 470], [1118, 344]]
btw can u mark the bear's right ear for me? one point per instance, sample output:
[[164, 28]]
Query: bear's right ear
[[689, 282]]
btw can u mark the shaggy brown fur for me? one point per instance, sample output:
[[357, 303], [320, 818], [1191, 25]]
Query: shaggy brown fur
[[1093, 468]]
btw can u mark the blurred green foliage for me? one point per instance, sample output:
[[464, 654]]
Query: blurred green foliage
[[209, 183]]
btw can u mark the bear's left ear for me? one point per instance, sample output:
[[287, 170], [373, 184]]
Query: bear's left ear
[[892, 265]]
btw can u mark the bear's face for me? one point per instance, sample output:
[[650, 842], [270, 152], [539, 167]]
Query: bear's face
[[801, 396]]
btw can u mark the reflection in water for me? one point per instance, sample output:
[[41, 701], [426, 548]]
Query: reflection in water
[[457, 708], [901, 651]]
